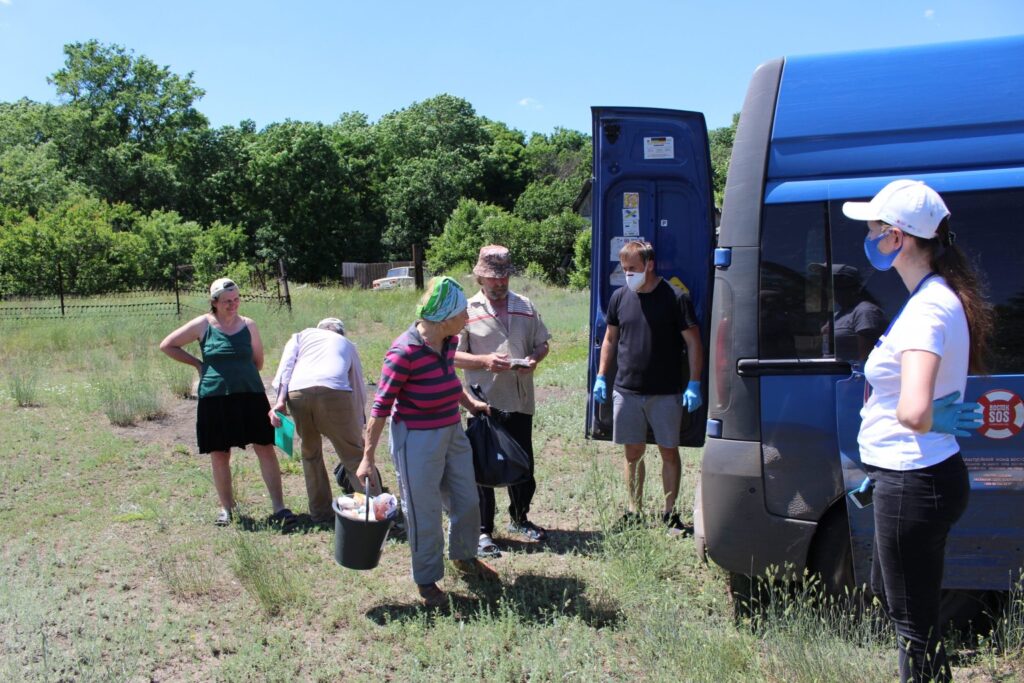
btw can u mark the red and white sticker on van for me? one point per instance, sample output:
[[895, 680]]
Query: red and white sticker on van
[[1002, 414]]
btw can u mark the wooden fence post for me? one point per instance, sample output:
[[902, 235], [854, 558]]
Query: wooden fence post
[[60, 288], [417, 262], [177, 296], [284, 281]]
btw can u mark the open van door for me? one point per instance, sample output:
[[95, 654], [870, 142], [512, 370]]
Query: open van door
[[652, 182]]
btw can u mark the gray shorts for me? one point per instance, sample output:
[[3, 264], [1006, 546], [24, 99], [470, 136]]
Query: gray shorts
[[632, 413]]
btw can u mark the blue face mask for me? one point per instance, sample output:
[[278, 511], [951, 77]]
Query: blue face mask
[[878, 260]]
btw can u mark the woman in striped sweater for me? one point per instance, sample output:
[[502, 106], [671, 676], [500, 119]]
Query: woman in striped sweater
[[421, 392]]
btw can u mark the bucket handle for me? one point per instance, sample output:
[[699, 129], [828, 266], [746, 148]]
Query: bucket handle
[[367, 496]]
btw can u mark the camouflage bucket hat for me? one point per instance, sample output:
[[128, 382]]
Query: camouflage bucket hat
[[494, 261]]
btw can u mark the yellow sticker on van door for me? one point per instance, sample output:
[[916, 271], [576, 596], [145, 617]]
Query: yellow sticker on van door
[[678, 283]]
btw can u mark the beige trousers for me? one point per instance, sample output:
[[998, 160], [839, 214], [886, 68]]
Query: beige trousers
[[319, 411]]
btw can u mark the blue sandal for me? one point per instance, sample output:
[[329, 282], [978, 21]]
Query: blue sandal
[[486, 547]]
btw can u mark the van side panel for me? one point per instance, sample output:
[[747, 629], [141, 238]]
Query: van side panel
[[741, 220], [829, 126], [740, 535]]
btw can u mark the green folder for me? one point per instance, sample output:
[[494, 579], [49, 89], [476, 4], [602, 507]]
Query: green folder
[[284, 436]]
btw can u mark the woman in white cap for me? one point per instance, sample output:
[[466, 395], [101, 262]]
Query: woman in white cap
[[421, 392], [233, 405], [918, 374]]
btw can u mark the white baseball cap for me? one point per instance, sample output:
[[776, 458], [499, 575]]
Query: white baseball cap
[[910, 205], [221, 285]]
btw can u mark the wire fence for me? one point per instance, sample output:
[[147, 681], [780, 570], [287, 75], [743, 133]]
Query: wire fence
[[267, 285]]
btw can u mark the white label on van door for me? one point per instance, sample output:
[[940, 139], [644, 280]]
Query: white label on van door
[[659, 148], [617, 277], [616, 246], [631, 222]]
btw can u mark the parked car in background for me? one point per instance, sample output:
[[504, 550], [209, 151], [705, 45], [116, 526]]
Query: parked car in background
[[403, 276]]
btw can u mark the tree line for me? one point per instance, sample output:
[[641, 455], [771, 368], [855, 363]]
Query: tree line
[[124, 178]]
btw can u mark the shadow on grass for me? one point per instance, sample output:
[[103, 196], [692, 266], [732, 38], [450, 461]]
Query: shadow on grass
[[303, 524], [533, 598], [559, 542]]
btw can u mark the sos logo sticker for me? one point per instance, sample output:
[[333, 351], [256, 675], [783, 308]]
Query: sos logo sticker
[[1003, 414]]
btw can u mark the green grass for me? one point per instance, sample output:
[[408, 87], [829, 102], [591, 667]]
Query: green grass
[[112, 570]]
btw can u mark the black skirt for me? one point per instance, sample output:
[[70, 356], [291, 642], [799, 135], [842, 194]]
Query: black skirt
[[236, 420]]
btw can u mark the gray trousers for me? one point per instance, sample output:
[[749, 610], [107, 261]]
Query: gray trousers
[[435, 473]]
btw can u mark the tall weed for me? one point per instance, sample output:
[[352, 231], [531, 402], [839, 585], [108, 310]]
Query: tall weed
[[23, 385], [263, 572], [126, 400]]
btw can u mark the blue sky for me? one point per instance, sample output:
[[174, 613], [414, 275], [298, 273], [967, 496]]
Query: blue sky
[[534, 65]]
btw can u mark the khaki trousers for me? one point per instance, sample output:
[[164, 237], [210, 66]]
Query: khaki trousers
[[319, 411]]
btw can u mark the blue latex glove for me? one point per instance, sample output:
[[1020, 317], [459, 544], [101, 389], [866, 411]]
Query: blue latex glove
[[950, 417], [691, 399], [600, 390]]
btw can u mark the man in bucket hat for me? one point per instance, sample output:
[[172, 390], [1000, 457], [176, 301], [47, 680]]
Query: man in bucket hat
[[500, 348]]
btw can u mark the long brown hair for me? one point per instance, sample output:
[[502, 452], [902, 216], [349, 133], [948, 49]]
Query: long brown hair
[[949, 261]]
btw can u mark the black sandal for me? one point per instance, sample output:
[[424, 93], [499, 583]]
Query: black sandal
[[284, 518]]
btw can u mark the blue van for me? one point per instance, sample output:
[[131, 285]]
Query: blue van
[[795, 304]]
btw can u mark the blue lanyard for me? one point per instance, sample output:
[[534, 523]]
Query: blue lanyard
[[899, 312]]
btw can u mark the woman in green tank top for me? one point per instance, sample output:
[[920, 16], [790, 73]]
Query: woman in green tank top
[[233, 405]]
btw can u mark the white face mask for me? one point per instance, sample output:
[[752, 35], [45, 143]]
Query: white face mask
[[635, 281]]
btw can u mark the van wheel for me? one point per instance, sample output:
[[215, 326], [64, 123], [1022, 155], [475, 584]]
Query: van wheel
[[831, 556]]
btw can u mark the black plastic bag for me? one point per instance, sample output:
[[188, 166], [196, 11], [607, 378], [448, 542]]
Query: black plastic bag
[[498, 459]]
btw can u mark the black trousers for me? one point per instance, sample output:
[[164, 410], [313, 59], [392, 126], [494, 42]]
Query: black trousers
[[914, 511], [520, 427]]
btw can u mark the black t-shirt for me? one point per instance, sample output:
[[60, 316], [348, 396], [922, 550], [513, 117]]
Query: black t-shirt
[[651, 354]]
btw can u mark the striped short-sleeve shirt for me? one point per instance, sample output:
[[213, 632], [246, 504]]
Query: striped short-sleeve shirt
[[419, 386]]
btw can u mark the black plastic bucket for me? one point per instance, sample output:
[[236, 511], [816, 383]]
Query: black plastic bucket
[[358, 544]]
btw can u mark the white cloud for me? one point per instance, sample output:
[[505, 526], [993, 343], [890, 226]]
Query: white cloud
[[929, 14], [5, 2], [525, 102]]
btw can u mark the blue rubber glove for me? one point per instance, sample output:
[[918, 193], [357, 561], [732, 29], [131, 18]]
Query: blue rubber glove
[[600, 390], [950, 417], [691, 399]]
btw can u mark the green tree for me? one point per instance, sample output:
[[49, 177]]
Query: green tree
[[123, 121], [31, 178], [505, 173], [558, 165], [429, 157], [304, 200], [456, 248], [721, 141]]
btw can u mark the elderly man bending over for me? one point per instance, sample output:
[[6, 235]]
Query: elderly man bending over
[[322, 379]]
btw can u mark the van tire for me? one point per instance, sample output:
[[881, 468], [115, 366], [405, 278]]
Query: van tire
[[830, 555]]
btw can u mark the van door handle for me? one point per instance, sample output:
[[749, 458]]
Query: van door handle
[[757, 367]]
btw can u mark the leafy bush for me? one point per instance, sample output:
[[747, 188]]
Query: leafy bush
[[546, 245], [579, 278]]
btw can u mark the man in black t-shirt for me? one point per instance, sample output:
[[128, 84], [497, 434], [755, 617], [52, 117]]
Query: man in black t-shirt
[[651, 328]]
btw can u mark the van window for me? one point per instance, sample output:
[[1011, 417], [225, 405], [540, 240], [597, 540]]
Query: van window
[[795, 309], [989, 229]]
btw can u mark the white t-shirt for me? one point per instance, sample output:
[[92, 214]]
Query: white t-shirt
[[319, 358], [933, 320]]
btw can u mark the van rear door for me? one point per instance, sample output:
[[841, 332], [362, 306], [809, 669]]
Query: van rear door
[[652, 181]]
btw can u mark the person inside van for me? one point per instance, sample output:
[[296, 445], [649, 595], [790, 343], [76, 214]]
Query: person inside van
[[859, 320], [918, 373], [652, 330]]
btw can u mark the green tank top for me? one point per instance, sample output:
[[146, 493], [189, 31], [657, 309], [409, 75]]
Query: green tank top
[[227, 364]]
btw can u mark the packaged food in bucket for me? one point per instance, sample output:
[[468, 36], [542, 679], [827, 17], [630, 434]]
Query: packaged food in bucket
[[347, 503], [357, 514], [385, 506]]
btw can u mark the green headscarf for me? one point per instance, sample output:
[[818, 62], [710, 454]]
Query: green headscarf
[[444, 299]]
